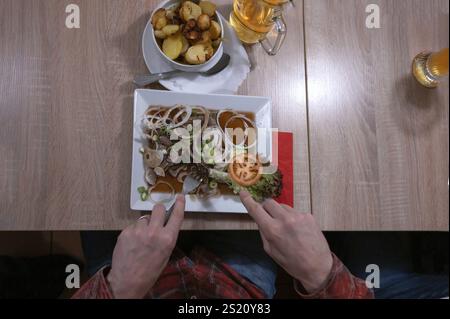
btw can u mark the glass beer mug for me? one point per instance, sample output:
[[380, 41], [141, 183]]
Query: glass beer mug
[[254, 19]]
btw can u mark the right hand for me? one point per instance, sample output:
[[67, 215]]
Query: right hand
[[293, 240], [143, 250]]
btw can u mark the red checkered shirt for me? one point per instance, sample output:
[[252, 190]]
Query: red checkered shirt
[[203, 275]]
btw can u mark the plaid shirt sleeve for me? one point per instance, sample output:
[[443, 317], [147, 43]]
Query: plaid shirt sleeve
[[341, 284], [96, 287]]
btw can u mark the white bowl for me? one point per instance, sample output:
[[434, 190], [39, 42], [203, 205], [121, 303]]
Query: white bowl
[[187, 67]]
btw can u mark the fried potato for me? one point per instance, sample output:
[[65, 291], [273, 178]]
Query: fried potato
[[185, 46], [205, 38], [170, 29], [204, 22], [160, 13], [215, 30], [216, 43], [172, 46], [161, 23], [209, 51], [196, 54], [208, 8], [159, 34], [190, 10], [191, 24], [171, 14], [193, 36]]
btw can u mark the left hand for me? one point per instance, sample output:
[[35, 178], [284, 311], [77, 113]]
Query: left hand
[[143, 250]]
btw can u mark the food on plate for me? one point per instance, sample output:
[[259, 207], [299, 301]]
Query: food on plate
[[268, 186], [159, 34], [170, 29], [245, 170], [208, 8], [215, 44], [185, 45], [204, 22], [209, 51], [192, 35], [172, 46], [189, 10], [196, 54], [215, 30], [159, 19], [205, 39], [175, 136], [189, 24]]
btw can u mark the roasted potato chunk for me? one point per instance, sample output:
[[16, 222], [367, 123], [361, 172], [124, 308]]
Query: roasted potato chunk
[[191, 24], [208, 8], [190, 10], [204, 22], [170, 29], [193, 36], [172, 46], [160, 13], [159, 34], [161, 23], [209, 51], [185, 46], [205, 38], [159, 19], [215, 30], [171, 14], [196, 54], [216, 43]]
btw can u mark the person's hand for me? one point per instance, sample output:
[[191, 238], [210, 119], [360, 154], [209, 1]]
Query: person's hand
[[143, 250], [293, 240]]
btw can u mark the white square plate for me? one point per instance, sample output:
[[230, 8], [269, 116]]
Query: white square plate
[[260, 106]]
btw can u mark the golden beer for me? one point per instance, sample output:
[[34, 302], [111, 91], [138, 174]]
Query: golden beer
[[254, 19], [429, 68], [438, 63]]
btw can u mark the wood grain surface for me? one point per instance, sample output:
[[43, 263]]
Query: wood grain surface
[[66, 113], [378, 140]]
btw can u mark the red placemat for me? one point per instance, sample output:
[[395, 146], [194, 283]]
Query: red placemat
[[283, 144]]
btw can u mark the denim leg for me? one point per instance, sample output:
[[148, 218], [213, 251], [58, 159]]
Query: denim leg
[[98, 247], [412, 285], [243, 251], [393, 253]]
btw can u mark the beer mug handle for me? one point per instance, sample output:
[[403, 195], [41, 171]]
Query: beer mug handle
[[281, 29]]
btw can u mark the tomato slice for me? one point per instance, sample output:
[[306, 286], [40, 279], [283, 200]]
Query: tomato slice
[[245, 169]]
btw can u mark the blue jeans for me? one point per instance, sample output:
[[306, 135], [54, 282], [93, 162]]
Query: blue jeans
[[393, 252], [241, 250]]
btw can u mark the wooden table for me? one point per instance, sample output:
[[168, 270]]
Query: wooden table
[[378, 140], [371, 147]]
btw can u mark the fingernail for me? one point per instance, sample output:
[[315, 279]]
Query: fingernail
[[180, 197]]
